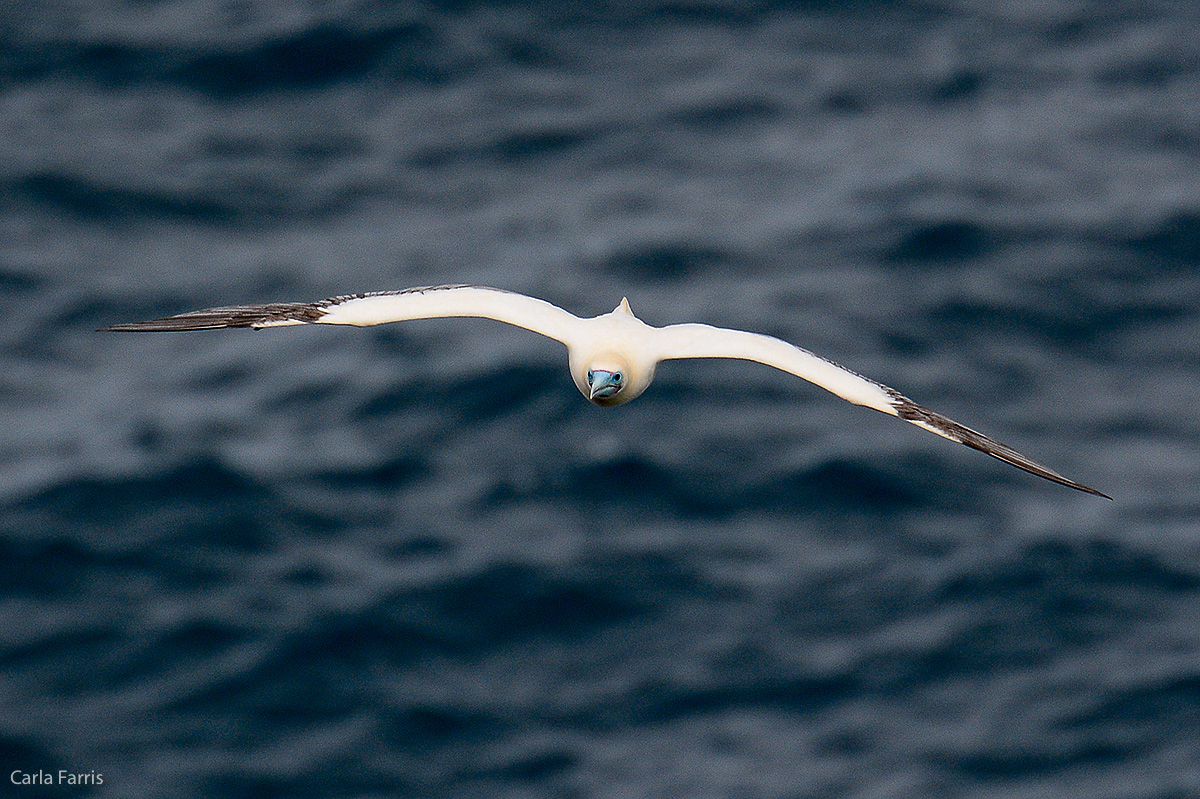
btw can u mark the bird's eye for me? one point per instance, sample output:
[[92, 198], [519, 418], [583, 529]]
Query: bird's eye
[[590, 376], [616, 378]]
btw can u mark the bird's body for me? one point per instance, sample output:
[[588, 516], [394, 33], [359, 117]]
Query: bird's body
[[612, 357]]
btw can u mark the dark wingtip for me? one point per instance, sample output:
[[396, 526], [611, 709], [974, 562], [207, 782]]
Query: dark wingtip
[[170, 324], [1093, 491], [1055, 477], [153, 326], [253, 316], [912, 412]]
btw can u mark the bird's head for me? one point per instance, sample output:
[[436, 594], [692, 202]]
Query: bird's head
[[610, 380]]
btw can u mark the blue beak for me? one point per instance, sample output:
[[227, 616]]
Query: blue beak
[[604, 384]]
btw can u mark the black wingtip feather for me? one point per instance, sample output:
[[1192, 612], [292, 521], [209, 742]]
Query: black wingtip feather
[[239, 316], [912, 412], [256, 316]]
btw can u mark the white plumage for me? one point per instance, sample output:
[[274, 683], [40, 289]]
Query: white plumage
[[612, 357]]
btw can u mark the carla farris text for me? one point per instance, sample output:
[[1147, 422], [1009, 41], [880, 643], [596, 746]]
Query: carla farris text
[[61, 777]]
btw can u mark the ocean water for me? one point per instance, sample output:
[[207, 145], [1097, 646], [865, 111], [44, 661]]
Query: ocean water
[[412, 561]]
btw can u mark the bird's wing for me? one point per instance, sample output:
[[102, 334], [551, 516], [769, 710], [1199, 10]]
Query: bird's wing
[[380, 307], [704, 341]]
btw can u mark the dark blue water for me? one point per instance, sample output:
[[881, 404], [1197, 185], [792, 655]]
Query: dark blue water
[[413, 561]]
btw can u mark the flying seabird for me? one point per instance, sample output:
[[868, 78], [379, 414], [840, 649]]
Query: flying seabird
[[612, 356]]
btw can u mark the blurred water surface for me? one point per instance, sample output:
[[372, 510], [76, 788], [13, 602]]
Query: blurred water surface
[[412, 561]]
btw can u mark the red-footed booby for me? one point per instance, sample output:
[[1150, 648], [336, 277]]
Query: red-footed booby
[[612, 356]]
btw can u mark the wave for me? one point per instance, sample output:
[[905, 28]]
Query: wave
[[228, 67]]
